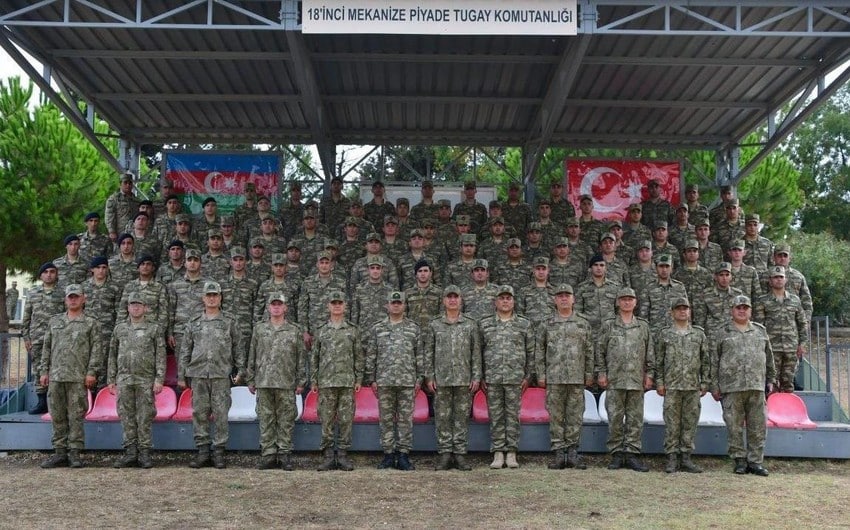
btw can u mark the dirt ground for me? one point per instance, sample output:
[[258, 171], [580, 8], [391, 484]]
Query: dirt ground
[[803, 493]]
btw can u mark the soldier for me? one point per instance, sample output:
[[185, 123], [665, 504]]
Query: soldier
[[427, 208], [459, 272], [616, 268], [711, 308], [742, 368], [534, 245], [783, 316], [375, 210], [257, 267], [72, 354], [360, 270], [395, 367], [452, 349], [695, 277], [277, 283], [535, 301], [579, 250], [186, 299], [208, 219], [334, 207], [92, 242], [507, 342], [655, 307], [248, 209], [355, 210], [165, 226], [145, 240], [564, 267], [625, 365], [550, 228], [758, 250], [479, 297], [514, 270], [393, 244], [292, 213], [710, 253], [120, 207], [717, 214], [310, 236], [796, 282], [591, 228], [642, 272], [516, 212], [366, 303], [634, 230], [596, 297], [680, 230], [744, 277], [155, 293], [493, 248], [276, 372], [239, 294], [696, 211], [423, 298], [564, 358], [136, 371], [470, 207], [102, 296], [313, 297], [682, 371], [43, 301], [215, 264], [71, 267], [416, 254], [228, 233], [402, 213], [624, 252], [337, 366], [562, 209], [122, 266], [212, 348], [730, 229], [656, 208], [12, 296], [174, 266], [661, 245]]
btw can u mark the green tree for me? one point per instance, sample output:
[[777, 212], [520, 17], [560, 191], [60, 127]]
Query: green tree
[[822, 258], [50, 176]]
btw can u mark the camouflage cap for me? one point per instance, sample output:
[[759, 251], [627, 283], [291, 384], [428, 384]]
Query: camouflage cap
[[469, 185], [635, 206], [182, 218], [74, 289], [724, 266], [683, 206], [468, 239], [373, 236], [540, 261], [741, 300], [544, 200], [356, 203], [692, 187], [607, 235], [691, 243], [505, 289], [731, 203], [214, 232], [451, 289], [395, 296], [778, 270], [126, 177], [331, 243], [293, 243], [136, 298], [212, 288], [390, 220], [261, 198], [586, 197], [351, 220], [572, 221], [782, 248], [702, 221], [258, 242], [324, 255], [615, 223], [645, 243], [562, 242], [427, 183], [738, 244], [278, 258], [402, 200], [374, 260], [497, 219], [417, 232], [336, 296], [480, 263], [514, 242], [462, 220], [444, 203], [429, 223], [226, 220], [277, 297], [659, 225], [266, 216], [237, 252], [563, 288], [752, 217], [680, 301], [535, 226], [664, 259], [309, 213], [192, 253], [626, 292]]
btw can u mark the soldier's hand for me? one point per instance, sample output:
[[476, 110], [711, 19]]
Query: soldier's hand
[[157, 388], [315, 388], [800, 352], [717, 395], [523, 385], [111, 388], [172, 342], [769, 388], [308, 340], [661, 390], [603, 381], [473, 387], [431, 386], [647, 383], [483, 386], [181, 384], [588, 382], [702, 393], [44, 380], [357, 387], [541, 382], [299, 389], [90, 381], [252, 389], [113, 236], [237, 379], [28, 345], [375, 388]]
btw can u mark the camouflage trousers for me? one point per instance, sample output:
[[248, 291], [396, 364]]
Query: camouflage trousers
[[35, 362], [738, 408], [452, 405], [136, 410], [210, 397], [503, 407], [786, 369], [681, 415], [395, 404], [68, 403], [105, 338], [625, 420], [565, 404], [336, 403], [276, 413]]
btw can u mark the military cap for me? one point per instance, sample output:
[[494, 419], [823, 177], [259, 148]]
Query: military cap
[[644, 244], [586, 197], [278, 258], [124, 236], [144, 258], [214, 232], [429, 223], [514, 242], [71, 238], [494, 204], [615, 223], [373, 236], [427, 183], [277, 297], [664, 259], [390, 219], [193, 253], [543, 201], [331, 243], [626, 292], [752, 217], [127, 177], [249, 186], [651, 182], [469, 185], [725, 189], [660, 224], [777, 270], [263, 198], [781, 248], [356, 203], [505, 289], [564, 288], [237, 252], [293, 243], [480, 263], [731, 203], [208, 200], [680, 301], [182, 218], [74, 289], [374, 260], [741, 300], [377, 184], [395, 296], [336, 296], [702, 221], [92, 215], [541, 261], [421, 263], [683, 206], [141, 214], [351, 220], [738, 244], [497, 219], [402, 200], [416, 232], [562, 242], [572, 221], [309, 213], [692, 187], [596, 258], [258, 242], [97, 261], [468, 239], [607, 235], [46, 266], [535, 226], [635, 206], [226, 220], [691, 243], [212, 288], [444, 203], [146, 202], [136, 298], [266, 216], [462, 220], [451, 289], [324, 255], [723, 266]]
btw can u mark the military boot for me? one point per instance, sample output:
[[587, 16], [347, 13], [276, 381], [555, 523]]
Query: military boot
[[558, 460], [218, 459], [445, 462], [672, 463], [461, 464], [616, 461], [688, 465], [740, 466], [403, 462], [41, 406], [74, 459], [757, 469], [267, 462], [129, 459], [510, 460], [574, 459], [343, 462], [145, 461], [498, 460], [58, 459], [635, 464], [286, 462], [201, 459], [329, 463], [388, 462]]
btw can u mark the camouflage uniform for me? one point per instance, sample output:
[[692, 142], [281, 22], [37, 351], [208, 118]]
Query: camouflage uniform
[[211, 348], [156, 298], [333, 213], [375, 213], [453, 358], [350, 252], [493, 251], [422, 211], [758, 253], [742, 365], [625, 355], [656, 211], [276, 367], [668, 250], [367, 304], [167, 273], [69, 272], [12, 296], [562, 210], [518, 216], [536, 303], [122, 272], [617, 270], [259, 272], [572, 272], [788, 328], [711, 255], [186, 302], [313, 300], [148, 245], [101, 304], [517, 275], [564, 358], [215, 268], [337, 364], [136, 362], [459, 273], [73, 350], [746, 279], [41, 305], [508, 359], [395, 361], [476, 212], [478, 302], [119, 210], [591, 230], [239, 298], [655, 307], [682, 367], [679, 236], [94, 245], [261, 312], [423, 305], [407, 274], [711, 309], [797, 285], [597, 302], [695, 280], [727, 233], [291, 216], [641, 279], [360, 272], [635, 234]]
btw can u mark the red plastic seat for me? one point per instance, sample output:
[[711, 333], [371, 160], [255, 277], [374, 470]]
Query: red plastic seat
[[170, 370], [366, 406], [311, 408], [47, 417], [105, 407], [420, 407], [166, 404], [788, 411], [532, 408], [480, 412], [184, 407]]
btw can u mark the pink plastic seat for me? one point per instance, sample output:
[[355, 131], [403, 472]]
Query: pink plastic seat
[[166, 404], [532, 408], [788, 411], [420, 407], [366, 406], [105, 407], [47, 417], [170, 370], [311, 408], [480, 412], [184, 407]]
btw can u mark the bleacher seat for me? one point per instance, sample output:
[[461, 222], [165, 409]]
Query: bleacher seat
[[788, 411], [653, 407], [532, 408], [243, 404], [311, 408], [591, 410], [299, 406], [170, 370], [184, 407], [603, 413], [366, 406], [711, 412], [480, 412], [47, 417], [166, 404], [105, 407], [420, 407]]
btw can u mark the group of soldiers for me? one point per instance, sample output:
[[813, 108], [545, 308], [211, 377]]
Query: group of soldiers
[[341, 294]]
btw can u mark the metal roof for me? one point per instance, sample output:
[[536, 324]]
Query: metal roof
[[666, 74]]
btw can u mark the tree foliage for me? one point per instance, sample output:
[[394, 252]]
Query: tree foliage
[[822, 258]]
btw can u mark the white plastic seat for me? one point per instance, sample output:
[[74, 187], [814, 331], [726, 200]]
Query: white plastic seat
[[711, 412], [591, 412], [653, 407], [603, 414], [299, 406], [243, 406]]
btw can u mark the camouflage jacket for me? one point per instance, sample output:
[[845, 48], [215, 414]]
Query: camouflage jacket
[[711, 309], [40, 307], [478, 302], [73, 349], [682, 359], [564, 350], [101, 303], [507, 349], [368, 304], [337, 356], [625, 353], [785, 321], [394, 354], [423, 305], [536, 303], [313, 300], [187, 302], [136, 354], [156, 298], [212, 348], [655, 307], [597, 303], [742, 360], [277, 357], [452, 351]]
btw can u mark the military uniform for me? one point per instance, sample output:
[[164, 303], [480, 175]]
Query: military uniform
[[119, 210], [726, 233], [332, 212], [42, 304], [518, 216], [101, 304], [156, 298], [375, 213], [788, 328], [239, 298], [407, 272], [711, 255], [423, 305], [746, 279], [123, 271], [478, 301], [360, 272], [12, 296], [71, 272], [517, 275], [655, 211], [655, 306], [476, 212], [711, 309], [536, 303], [268, 287], [758, 253], [597, 302], [94, 245], [313, 300], [572, 272], [367, 304], [696, 280], [186, 302]]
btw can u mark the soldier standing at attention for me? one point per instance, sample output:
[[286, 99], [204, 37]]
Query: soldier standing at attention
[[564, 357], [682, 366], [394, 368], [136, 371], [211, 348], [12, 296], [43, 302], [72, 354], [507, 341], [452, 347], [120, 207], [625, 362], [336, 363], [276, 373], [742, 365]]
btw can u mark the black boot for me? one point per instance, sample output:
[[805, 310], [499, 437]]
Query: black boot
[[329, 463], [57, 459], [616, 461], [740, 466], [757, 469], [445, 462], [461, 464], [688, 465], [403, 462], [635, 464], [218, 458], [145, 461], [574, 459], [343, 463], [388, 462], [41, 406], [267, 462], [672, 463], [202, 458], [286, 462], [129, 459], [74, 458], [558, 461]]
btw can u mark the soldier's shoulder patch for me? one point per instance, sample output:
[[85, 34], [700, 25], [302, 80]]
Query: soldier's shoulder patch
[[759, 326]]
